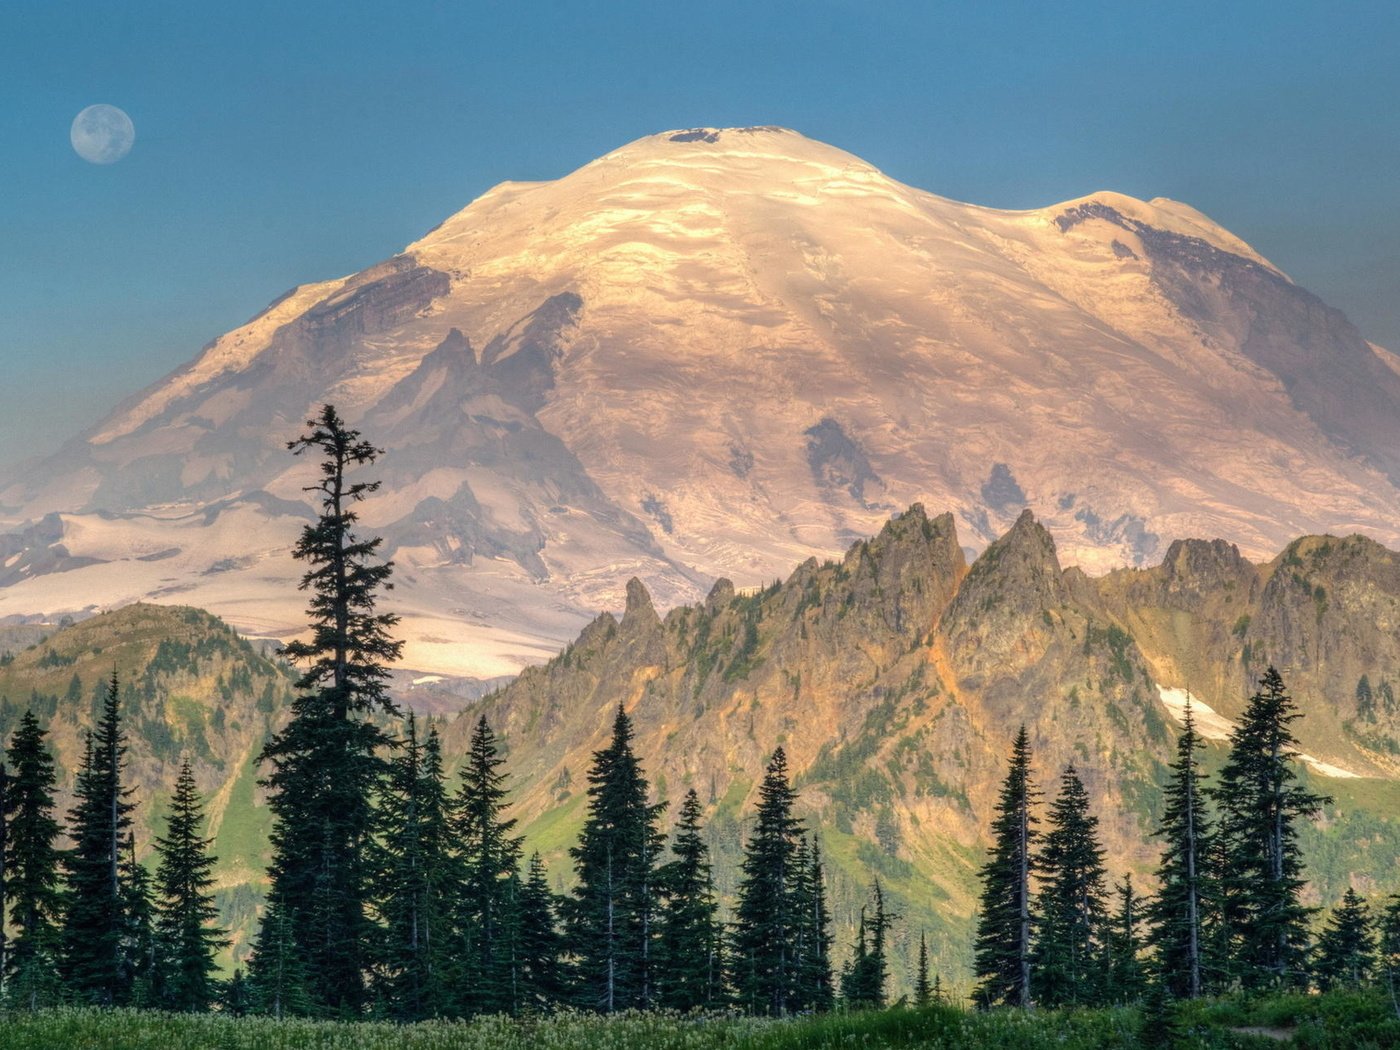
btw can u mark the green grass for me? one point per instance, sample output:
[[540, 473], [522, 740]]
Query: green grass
[[1331, 1022]]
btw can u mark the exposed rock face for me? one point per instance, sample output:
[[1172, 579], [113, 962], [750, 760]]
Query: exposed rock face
[[896, 677]]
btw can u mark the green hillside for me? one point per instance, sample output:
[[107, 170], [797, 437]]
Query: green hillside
[[189, 686]]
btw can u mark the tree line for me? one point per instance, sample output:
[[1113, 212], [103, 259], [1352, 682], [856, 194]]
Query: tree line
[[395, 892], [1228, 913]]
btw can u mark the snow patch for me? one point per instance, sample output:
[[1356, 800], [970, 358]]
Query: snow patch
[[1214, 726]]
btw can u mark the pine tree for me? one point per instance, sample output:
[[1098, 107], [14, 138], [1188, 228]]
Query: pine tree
[[815, 992], [185, 910], [1346, 950], [688, 950], [94, 964], [325, 763], [1068, 954], [855, 973], [767, 974], [539, 943], [1177, 914], [1365, 700], [489, 855], [4, 892], [277, 975], [234, 997], [863, 983], [1127, 980], [141, 949], [1260, 802], [1388, 950], [611, 918], [31, 864], [416, 882], [923, 990], [1005, 924]]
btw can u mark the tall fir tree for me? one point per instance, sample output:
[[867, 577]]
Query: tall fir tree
[[489, 856], [1127, 977], [689, 947], [326, 763], [766, 971], [95, 966], [31, 897], [540, 946], [863, 983], [1346, 949], [815, 991], [611, 917], [4, 886], [416, 882], [234, 996], [1005, 924], [1261, 801], [277, 976], [141, 948], [185, 910], [923, 990], [1388, 949], [1068, 956], [1177, 914]]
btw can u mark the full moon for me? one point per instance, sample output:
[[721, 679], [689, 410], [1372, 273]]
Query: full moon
[[102, 134]]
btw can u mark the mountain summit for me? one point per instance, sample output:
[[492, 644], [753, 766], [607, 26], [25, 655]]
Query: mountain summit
[[717, 352]]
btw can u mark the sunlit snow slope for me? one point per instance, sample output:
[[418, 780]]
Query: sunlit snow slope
[[718, 352]]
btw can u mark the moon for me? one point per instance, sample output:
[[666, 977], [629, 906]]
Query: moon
[[102, 134]]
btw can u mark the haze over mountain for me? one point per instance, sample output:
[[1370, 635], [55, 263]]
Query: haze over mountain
[[717, 353]]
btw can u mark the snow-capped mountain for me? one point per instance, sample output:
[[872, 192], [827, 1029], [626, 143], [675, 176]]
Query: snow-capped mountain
[[716, 353]]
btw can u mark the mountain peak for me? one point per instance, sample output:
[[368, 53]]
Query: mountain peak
[[716, 353]]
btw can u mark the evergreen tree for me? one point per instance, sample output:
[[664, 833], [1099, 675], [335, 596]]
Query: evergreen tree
[[325, 763], [1346, 950], [277, 975], [1261, 802], [1126, 978], [185, 909], [1176, 915], [489, 857], [1365, 700], [767, 975], [94, 964], [814, 992], [541, 982], [4, 893], [611, 918], [856, 971], [141, 949], [863, 983], [1005, 924], [688, 950], [234, 997], [416, 881], [923, 990], [31, 862], [1068, 954], [1388, 949]]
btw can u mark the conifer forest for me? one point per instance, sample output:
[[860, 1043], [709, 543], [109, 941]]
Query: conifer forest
[[404, 908]]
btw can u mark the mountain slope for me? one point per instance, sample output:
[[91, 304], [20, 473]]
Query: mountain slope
[[716, 353], [189, 687], [896, 678]]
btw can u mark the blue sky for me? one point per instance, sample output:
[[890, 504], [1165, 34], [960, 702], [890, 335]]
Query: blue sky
[[290, 142]]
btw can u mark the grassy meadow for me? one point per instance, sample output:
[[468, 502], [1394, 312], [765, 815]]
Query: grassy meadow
[[1308, 1022]]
